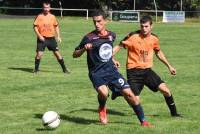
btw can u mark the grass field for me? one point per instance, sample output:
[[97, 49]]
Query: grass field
[[24, 97]]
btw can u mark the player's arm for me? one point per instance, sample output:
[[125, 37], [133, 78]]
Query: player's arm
[[38, 33], [160, 55], [57, 29], [77, 53], [125, 42], [117, 48], [117, 64]]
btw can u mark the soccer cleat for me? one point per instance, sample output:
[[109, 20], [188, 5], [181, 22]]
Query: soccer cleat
[[115, 95], [67, 71], [176, 115], [146, 124], [103, 115], [35, 71]]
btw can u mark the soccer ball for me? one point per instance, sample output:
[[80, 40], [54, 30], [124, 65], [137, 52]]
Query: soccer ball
[[51, 119]]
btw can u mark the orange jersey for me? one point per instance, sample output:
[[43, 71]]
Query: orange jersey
[[140, 50], [46, 24]]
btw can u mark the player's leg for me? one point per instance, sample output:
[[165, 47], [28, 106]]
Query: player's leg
[[122, 86], [61, 61], [102, 98], [37, 60], [99, 83], [39, 52], [52, 46], [133, 101], [154, 82], [169, 99]]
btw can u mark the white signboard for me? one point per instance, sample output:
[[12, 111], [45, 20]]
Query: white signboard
[[173, 16]]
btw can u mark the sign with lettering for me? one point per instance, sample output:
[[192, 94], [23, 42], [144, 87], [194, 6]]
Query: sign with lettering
[[173, 16], [125, 16]]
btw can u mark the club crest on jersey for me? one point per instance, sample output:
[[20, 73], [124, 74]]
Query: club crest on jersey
[[110, 38], [105, 52]]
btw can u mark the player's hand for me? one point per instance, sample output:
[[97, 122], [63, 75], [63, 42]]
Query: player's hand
[[117, 64], [88, 46], [59, 39], [172, 70], [41, 38]]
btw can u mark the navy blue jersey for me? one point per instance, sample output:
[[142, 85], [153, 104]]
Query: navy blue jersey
[[99, 58]]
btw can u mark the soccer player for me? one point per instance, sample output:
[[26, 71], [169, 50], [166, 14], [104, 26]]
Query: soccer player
[[102, 72], [141, 46], [46, 28]]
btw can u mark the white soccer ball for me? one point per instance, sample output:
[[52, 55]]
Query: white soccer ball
[[51, 120]]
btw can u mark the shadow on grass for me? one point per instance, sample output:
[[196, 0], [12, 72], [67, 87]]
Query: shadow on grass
[[86, 121], [110, 111], [113, 112], [44, 129], [78, 120], [30, 70]]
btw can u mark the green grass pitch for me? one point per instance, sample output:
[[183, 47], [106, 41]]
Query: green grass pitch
[[24, 97]]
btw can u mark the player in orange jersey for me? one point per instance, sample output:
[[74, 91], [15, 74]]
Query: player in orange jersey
[[46, 28], [141, 46]]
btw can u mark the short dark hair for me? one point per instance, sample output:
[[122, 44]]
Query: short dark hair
[[98, 13], [46, 2], [145, 19]]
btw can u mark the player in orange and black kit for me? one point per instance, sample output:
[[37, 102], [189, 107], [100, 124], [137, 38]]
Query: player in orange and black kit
[[46, 27], [141, 46]]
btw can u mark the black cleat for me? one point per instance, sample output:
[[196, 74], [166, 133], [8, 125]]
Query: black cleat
[[35, 71], [176, 115], [66, 71]]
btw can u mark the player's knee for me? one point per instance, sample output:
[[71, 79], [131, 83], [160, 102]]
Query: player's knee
[[165, 92], [38, 56], [164, 89], [130, 97], [103, 93], [136, 100]]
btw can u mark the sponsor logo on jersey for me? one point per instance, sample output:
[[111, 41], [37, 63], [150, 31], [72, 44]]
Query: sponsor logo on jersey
[[105, 52]]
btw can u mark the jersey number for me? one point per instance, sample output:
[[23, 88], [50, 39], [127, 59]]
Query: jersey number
[[121, 81]]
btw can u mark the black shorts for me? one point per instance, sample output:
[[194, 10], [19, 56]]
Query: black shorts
[[137, 78], [114, 80], [50, 43]]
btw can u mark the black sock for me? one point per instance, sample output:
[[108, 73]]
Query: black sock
[[37, 63], [102, 102], [62, 64], [171, 104], [139, 112]]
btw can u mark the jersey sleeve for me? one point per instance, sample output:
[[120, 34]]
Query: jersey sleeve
[[126, 41], [156, 45], [55, 22], [114, 36], [36, 21], [84, 41]]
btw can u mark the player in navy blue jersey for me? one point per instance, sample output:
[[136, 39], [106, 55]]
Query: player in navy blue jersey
[[102, 70]]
